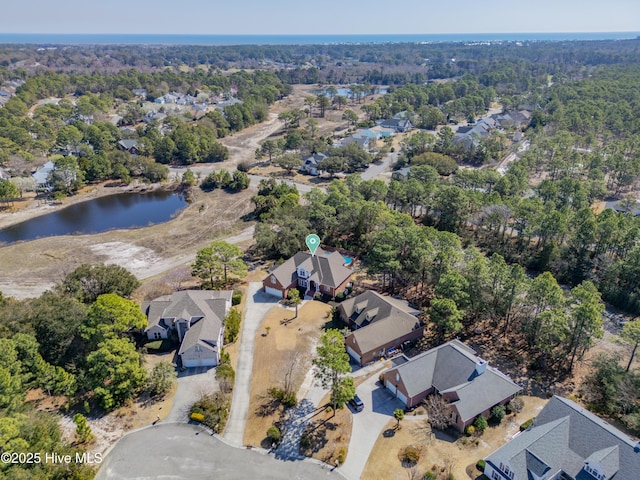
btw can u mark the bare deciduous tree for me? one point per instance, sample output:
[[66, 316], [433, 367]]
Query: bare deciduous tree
[[438, 411]]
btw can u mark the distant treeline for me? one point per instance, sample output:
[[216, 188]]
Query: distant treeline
[[382, 64]]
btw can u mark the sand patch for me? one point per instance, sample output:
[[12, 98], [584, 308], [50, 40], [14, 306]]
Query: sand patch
[[134, 258]]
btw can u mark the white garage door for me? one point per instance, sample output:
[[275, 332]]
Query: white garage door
[[353, 354], [199, 362], [273, 291], [392, 388]]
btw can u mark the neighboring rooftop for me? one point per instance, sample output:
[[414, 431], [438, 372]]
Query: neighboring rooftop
[[452, 367], [566, 437]]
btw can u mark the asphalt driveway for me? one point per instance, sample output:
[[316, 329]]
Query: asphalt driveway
[[189, 452]]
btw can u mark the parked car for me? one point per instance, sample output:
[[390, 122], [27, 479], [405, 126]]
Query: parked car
[[356, 403]]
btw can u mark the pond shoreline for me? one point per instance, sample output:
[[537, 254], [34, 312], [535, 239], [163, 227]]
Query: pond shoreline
[[36, 207]]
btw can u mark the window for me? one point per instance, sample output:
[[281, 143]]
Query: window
[[273, 279], [495, 476], [156, 335]]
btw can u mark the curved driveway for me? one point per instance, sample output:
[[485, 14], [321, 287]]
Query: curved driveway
[[189, 452]]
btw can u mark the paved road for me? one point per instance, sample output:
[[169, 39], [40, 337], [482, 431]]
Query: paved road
[[381, 168], [189, 452], [192, 383], [379, 405], [258, 304]]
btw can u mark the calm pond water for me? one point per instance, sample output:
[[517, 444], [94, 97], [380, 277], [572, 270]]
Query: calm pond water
[[122, 210]]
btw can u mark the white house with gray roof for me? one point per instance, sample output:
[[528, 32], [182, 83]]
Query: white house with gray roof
[[452, 370], [196, 317], [567, 442]]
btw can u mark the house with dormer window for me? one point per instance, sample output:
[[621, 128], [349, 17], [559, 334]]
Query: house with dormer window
[[566, 442], [325, 272], [379, 324], [196, 318]]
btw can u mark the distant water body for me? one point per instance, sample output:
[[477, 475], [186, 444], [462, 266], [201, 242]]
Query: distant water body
[[160, 39]]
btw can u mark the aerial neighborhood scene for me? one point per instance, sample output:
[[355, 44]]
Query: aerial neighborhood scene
[[239, 242]]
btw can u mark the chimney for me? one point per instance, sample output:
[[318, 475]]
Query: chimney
[[481, 367]]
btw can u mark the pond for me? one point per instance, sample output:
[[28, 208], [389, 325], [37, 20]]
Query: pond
[[122, 210]]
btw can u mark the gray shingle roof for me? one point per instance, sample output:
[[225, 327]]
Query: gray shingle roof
[[375, 335], [128, 144], [205, 309], [566, 437], [375, 307], [451, 367], [325, 268]]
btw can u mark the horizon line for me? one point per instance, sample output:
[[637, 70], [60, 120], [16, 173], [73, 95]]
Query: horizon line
[[324, 34]]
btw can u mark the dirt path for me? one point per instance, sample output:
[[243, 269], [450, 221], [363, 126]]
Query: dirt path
[[29, 268]]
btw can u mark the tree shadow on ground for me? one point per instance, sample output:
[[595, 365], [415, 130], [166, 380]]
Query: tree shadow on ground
[[314, 437]]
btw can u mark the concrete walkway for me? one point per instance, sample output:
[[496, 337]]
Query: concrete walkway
[[257, 306]]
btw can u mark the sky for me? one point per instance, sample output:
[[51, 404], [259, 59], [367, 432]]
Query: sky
[[262, 17]]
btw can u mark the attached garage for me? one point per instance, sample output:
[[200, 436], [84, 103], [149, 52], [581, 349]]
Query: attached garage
[[198, 356], [353, 354], [199, 362], [392, 388], [273, 291]]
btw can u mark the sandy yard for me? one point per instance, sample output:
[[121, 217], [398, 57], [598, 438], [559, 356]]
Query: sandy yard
[[145, 251], [274, 350], [441, 451]]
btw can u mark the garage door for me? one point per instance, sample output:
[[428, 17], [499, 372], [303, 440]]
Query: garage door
[[353, 354], [273, 291], [392, 388], [199, 362]]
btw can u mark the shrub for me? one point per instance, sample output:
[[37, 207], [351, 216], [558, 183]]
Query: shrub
[[469, 430], [226, 375], [197, 417], [480, 423], [526, 425], [305, 440], [243, 166], [480, 465], [215, 409], [236, 298], [342, 456], [286, 399], [231, 326], [274, 433], [498, 412], [411, 455], [516, 405], [429, 476]]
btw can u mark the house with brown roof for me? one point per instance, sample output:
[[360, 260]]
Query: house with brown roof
[[325, 272], [196, 317], [380, 324], [453, 371]]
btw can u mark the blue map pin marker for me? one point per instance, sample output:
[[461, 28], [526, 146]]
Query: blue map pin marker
[[313, 242]]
